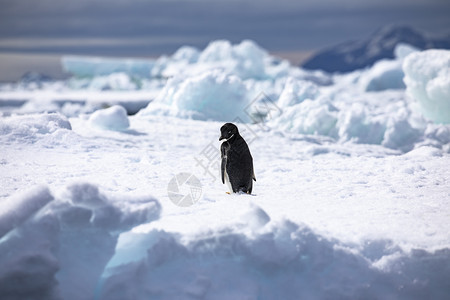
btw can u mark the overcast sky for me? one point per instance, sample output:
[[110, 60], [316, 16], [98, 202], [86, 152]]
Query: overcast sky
[[153, 27]]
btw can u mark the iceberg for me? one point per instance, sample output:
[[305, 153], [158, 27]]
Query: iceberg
[[85, 66]]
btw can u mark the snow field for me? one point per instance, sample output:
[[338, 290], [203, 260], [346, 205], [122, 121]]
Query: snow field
[[351, 197]]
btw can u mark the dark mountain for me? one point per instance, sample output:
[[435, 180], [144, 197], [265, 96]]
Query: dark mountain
[[350, 56]]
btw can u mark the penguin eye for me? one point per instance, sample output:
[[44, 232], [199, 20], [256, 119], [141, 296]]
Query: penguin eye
[[229, 131]]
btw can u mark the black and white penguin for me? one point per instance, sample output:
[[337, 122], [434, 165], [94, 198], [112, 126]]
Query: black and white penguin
[[237, 162]]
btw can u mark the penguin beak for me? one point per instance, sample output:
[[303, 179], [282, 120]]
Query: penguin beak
[[221, 138]]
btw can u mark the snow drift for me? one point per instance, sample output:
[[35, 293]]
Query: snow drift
[[428, 82]]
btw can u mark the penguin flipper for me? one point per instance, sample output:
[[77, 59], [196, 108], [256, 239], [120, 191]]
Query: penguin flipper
[[222, 169], [253, 175]]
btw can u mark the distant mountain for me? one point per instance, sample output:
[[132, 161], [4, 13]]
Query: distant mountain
[[353, 55]]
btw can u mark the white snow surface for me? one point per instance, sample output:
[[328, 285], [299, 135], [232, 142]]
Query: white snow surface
[[351, 199]]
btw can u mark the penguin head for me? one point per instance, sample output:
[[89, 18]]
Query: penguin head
[[228, 132]]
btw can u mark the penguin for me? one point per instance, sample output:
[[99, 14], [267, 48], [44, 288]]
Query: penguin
[[237, 162]]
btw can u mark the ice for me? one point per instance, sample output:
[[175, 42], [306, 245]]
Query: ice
[[274, 260], [15, 211], [308, 117], [355, 125], [387, 73], [211, 96], [112, 118], [401, 50], [85, 66], [383, 75], [186, 53], [62, 243], [296, 91], [427, 78], [246, 60]]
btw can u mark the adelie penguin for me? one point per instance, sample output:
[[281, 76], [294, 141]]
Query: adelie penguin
[[237, 162]]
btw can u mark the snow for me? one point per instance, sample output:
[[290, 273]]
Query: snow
[[351, 197], [428, 82], [112, 118]]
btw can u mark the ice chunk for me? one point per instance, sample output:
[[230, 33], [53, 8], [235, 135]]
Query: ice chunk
[[213, 95], [309, 117], [383, 75], [245, 60], [355, 124], [112, 118], [402, 50], [387, 74], [400, 134], [58, 246], [186, 53], [18, 209], [296, 91], [257, 263], [427, 78], [85, 66]]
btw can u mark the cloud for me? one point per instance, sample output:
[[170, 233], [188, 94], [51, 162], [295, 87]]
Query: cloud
[[152, 26]]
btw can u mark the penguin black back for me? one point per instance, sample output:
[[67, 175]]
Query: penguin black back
[[237, 162]]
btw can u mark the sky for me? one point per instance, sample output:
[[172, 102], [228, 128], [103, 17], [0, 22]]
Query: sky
[[154, 27], [34, 34]]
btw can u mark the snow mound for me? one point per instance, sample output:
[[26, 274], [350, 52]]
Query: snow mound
[[427, 78], [112, 118], [213, 95], [275, 259], [30, 127], [57, 246]]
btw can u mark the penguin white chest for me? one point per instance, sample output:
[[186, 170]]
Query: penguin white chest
[[227, 181]]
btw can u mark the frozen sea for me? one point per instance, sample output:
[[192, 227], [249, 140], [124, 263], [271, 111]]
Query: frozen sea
[[351, 199]]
